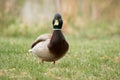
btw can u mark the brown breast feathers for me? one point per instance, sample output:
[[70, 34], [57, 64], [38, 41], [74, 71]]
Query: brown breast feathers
[[58, 45]]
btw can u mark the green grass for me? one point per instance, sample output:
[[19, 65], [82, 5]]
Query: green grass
[[94, 54], [97, 59]]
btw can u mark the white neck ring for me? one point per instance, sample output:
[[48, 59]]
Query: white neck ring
[[56, 29]]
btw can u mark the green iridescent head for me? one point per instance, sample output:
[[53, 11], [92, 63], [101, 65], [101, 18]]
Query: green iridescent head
[[57, 21]]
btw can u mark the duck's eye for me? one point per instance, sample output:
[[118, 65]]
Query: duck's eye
[[56, 22]]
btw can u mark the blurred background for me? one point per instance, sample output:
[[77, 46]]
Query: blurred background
[[82, 18]]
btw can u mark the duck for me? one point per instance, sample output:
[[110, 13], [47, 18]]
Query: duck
[[51, 47]]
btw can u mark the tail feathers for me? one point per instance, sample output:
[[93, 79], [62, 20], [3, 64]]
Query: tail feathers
[[30, 51]]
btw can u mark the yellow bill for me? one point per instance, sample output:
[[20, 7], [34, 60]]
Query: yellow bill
[[56, 22]]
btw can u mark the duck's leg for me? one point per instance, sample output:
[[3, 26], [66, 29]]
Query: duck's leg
[[53, 62], [42, 61]]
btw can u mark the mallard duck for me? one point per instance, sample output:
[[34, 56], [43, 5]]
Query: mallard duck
[[51, 47]]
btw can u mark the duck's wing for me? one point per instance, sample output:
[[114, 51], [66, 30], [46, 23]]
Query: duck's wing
[[41, 38]]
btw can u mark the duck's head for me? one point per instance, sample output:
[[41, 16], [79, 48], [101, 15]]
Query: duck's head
[[57, 21]]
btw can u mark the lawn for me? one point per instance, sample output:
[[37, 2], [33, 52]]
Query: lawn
[[92, 56], [97, 59]]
